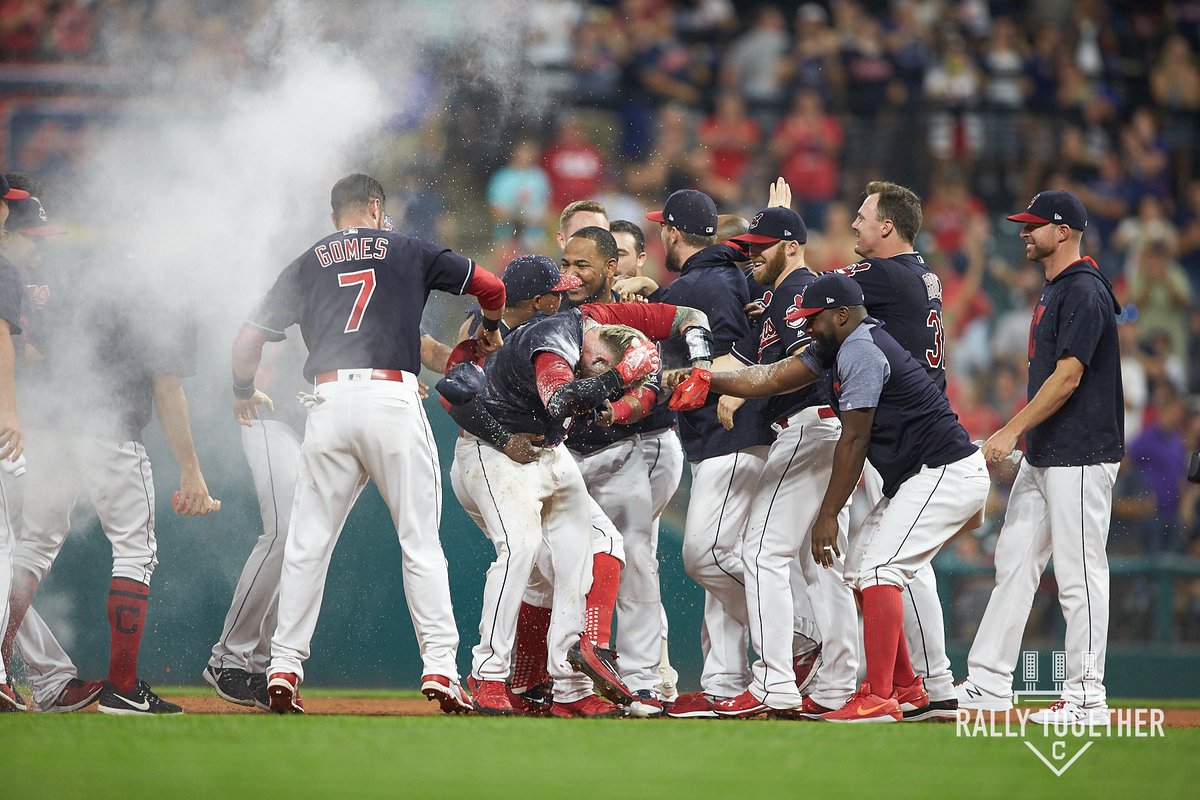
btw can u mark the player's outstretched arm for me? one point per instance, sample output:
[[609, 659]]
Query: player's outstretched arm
[[12, 442], [848, 459], [1057, 389], [170, 403], [434, 354], [765, 380]]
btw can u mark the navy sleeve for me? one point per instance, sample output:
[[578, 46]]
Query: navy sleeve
[[280, 308], [1084, 314], [724, 308], [445, 269], [12, 291]]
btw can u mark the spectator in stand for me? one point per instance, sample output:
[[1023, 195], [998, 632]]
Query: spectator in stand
[[706, 20], [1010, 333], [951, 210], [754, 64], [550, 25], [1193, 357], [1188, 243], [952, 87], [1145, 153], [596, 58], [1133, 234], [966, 308], [519, 194], [1002, 63], [1175, 87], [908, 43], [833, 247], [979, 419], [729, 138], [1163, 295], [808, 145], [675, 161], [573, 163], [1133, 530], [667, 68], [814, 63], [870, 89], [1160, 454], [1133, 379], [1108, 199]]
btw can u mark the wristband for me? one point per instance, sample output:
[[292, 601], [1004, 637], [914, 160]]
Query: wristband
[[489, 325], [699, 343], [243, 391]]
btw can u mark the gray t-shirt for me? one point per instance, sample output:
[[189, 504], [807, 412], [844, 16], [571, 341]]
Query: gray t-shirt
[[862, 370]]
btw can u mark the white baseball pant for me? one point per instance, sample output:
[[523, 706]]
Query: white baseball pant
[[924, 625], [778, 535], [718, 507], [48, 668], [663, 455], [903, 533], [1064, 513], [7, 539], [537, 517], [364, 429], [272, 450], [617, 480], [117, 478]]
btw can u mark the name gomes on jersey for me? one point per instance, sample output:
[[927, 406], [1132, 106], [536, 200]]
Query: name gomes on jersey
[[352, 248]]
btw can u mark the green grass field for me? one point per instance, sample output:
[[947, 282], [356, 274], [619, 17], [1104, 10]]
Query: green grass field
[[95, 756]]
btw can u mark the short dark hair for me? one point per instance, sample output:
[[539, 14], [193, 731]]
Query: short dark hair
[[355, 191], [696, 239], [577, 206], [606, 245], [899, 204], [633, 229], [19, 180]]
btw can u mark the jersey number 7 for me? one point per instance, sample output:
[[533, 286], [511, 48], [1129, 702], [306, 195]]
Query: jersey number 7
[[365, 281]]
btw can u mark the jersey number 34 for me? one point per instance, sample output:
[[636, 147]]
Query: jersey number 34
[[365, 281]]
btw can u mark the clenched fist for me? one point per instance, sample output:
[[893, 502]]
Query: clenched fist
[[693, 392]]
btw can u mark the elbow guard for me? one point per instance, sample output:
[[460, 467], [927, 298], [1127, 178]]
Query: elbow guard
[[699, 343], [583, 395]]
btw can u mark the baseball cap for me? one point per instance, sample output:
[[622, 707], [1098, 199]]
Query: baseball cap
[[29, 217], [9, 193], [831, 290], [690, 211], [527, 276], [1056, 207], [775, 224]]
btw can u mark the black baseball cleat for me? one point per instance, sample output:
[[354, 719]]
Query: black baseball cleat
[[933, 711], [258, 691], [599, 664], [232, 685], [139, 700]]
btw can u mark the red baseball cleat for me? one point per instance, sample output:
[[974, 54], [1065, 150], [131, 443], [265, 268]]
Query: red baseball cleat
[[696, 705], [590, 706], [490, 697], [284, 691], [806, 667], [744, 706], [866, 706], [448, 693], [912, 698], [76, 695]]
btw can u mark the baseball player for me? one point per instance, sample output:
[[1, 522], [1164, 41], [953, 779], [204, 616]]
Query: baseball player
[[725, 464], [357, 296], [580, 214], [92, 404], [661, 450], [776, 540], [906, 296], [1061, 499], [11, 446], [530, 387], [934, 480]]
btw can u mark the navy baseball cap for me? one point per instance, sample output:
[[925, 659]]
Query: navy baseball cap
[[690, 211], [1054, 207], [29, 217], [527, 276], [9, 193], [830, 290], [775, 224]]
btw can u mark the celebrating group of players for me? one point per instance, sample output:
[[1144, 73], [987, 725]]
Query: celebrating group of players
[[581, 387]]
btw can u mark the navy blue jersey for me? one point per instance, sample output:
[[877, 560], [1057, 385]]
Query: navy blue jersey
[[358, 295], [712, 282], [777, 339], [902, 293], [1076, 315], [510, 391], [914, 426]]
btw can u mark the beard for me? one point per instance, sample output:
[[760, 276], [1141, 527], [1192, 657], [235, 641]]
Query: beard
[[769, 272], [824, 349], [671, 262]]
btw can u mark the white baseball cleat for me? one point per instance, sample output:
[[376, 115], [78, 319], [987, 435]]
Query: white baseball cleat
[[1060, 712], [972, 698]]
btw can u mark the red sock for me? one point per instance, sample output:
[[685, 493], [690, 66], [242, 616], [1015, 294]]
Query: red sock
[[883, 617], [902, 673], [530, 653], [602, 599], [20, 597], [127, 600]]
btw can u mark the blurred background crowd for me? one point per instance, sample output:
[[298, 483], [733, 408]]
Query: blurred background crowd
[[976, 105]]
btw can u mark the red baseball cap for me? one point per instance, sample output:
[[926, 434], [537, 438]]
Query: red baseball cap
[[9, 193], [29, 217]]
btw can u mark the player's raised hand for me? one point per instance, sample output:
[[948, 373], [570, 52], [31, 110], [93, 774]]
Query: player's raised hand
[[727, 406], [487, 342], [692, 392], [524, 448], [780, 194], [673, 377], [246, 411], [631, 290], [824, 541], [640, 360]]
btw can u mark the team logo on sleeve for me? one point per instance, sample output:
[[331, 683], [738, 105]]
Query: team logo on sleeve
[[854, 269], [933, 286]]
